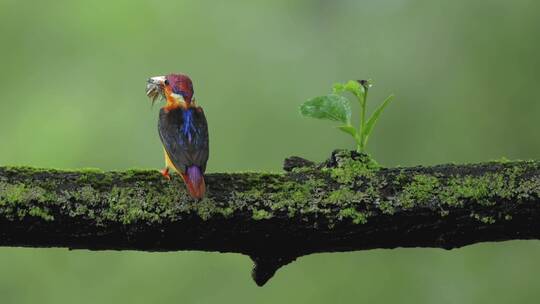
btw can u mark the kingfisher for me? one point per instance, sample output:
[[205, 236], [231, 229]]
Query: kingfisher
[[183, 130]]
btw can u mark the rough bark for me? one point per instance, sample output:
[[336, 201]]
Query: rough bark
[[346, 203]]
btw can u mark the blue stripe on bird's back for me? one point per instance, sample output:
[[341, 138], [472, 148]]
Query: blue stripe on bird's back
[[188, 123]]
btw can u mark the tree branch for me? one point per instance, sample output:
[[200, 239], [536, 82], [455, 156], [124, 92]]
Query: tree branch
[[343, 204]]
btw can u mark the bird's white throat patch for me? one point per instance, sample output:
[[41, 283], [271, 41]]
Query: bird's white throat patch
[[178, 97]]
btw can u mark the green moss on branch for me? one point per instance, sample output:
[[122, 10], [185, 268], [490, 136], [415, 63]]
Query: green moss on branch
[[356, 186], [345, 203]]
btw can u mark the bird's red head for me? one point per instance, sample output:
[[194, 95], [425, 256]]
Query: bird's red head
[[179, 84], [177, 89]]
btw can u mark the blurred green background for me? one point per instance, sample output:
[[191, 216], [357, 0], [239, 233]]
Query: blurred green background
[[465, 74]]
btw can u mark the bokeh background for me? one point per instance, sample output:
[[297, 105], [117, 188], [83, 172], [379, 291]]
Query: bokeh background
[[465, 74]]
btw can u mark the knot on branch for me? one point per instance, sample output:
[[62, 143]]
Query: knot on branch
[[296, 162], [264, 268], [337, 158]]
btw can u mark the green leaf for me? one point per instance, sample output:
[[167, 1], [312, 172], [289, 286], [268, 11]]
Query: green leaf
[[348, 129], [351, 86], [354, 87], [331, 107], [373, 119], [338, 88]]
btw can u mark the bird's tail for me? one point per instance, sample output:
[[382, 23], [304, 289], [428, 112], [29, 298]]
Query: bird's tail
[[194, 180]]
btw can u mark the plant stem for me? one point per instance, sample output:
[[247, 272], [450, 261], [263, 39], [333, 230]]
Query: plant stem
[[363, 106], [358, 140]]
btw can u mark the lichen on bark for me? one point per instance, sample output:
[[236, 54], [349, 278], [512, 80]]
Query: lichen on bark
[[346, 187]]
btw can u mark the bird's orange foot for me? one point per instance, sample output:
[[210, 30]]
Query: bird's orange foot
[[165, 173]]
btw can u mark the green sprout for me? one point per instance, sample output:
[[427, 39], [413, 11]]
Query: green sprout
[[336, 107]]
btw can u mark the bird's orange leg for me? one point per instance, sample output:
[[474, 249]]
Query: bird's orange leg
[[168, 164], [165, 173]]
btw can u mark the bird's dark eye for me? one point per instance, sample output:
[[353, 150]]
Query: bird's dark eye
[[166, 82]]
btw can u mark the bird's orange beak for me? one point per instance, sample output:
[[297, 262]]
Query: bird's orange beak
[[155, 88]]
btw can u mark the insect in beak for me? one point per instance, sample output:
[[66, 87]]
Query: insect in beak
[[154, 88]]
